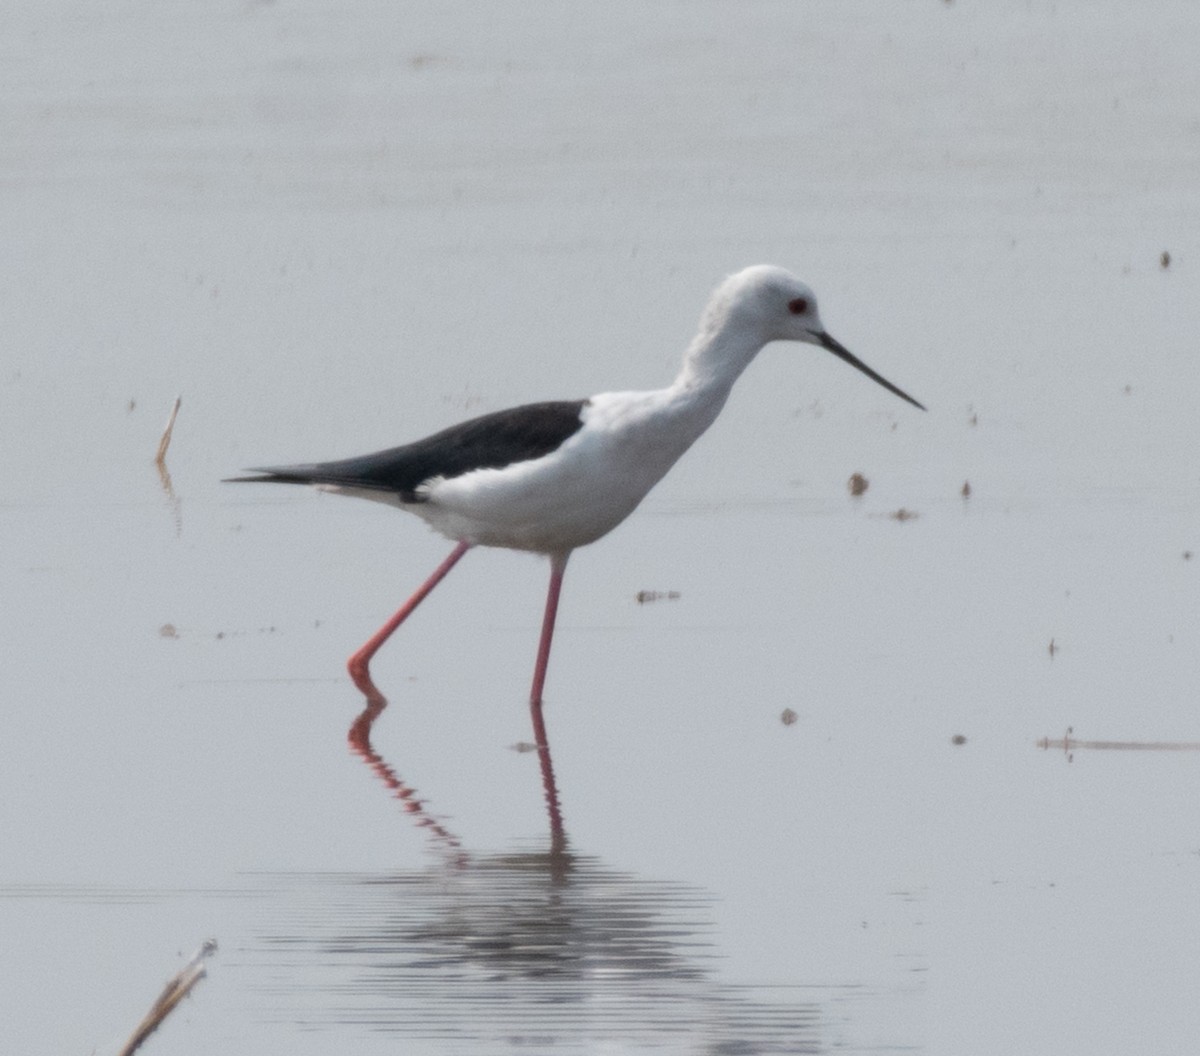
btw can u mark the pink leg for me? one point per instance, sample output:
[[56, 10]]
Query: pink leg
[[558, 563], [358, 664]]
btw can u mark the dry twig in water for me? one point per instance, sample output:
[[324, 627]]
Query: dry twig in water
[[179, 986], [165, 442]]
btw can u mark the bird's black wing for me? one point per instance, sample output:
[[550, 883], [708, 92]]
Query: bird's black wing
[[488, 442]]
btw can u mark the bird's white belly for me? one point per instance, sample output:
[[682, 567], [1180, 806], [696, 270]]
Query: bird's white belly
[[561, 501], [544, 509]]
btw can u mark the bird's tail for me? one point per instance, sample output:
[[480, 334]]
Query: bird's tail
[[282, 475]]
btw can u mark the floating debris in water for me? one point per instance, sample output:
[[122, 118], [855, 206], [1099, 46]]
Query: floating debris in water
[[966, 489], [424, 60], [857, 484], [1052, 648], [167, 630], [903, 514], [958, 738], [1164, 261], [642, 597], [1187, 555], [1068, 743], [521, 747], [789, 717]]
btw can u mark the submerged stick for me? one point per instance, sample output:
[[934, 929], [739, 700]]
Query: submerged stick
[[165, 442], [181, 984]]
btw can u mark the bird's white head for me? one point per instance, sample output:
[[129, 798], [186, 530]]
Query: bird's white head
[[770, 301], [761, 304]]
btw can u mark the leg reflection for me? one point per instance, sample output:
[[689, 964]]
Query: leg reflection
[[360, 743], [359, 738]]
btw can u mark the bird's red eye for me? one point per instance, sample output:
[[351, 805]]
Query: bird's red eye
[[798, 307]]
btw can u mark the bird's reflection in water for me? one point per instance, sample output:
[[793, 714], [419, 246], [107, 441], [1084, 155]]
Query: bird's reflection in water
[[539, 949], [525, 951], [360, 742]]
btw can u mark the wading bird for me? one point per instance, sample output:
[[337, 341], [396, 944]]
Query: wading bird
[[551, 477]]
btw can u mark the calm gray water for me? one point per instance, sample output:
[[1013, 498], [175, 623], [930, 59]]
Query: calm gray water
[[334, 228]]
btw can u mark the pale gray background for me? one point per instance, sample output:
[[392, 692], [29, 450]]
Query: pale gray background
[[336, 227]]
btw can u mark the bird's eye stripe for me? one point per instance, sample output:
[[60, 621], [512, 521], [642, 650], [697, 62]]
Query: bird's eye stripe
[[798, 307]]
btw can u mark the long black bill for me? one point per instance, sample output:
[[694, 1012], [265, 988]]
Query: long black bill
[[842, 352]]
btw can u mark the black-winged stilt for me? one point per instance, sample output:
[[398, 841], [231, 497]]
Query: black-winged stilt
[[551, 477]]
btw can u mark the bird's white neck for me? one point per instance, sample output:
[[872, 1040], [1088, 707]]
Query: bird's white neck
[[724, 347]]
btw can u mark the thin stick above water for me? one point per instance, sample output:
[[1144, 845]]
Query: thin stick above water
[[178, 987], [165, 442]]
